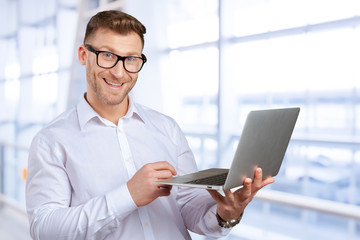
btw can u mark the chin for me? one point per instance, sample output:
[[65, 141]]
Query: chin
[[112, 101]]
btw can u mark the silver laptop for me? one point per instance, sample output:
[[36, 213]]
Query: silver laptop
[[263, 144]]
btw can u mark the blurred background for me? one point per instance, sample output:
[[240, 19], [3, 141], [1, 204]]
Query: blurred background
[[209, 63]]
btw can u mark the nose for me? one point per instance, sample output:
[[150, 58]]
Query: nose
[[118, 70]]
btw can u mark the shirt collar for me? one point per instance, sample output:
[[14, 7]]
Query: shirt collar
[[86, 113], [133, 111]]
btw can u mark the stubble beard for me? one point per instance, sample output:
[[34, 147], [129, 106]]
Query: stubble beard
[[103, 96]]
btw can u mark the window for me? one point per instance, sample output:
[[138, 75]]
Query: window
[[225, 58], [36, 43]]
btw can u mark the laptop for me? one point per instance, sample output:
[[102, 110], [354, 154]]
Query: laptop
[[263, 143]]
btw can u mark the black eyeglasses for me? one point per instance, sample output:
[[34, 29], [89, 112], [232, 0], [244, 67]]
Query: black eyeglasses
[[108, 60]]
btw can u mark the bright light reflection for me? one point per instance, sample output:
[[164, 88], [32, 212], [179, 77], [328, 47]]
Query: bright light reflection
[[319, 61], [45, 81], [12, 83], [45, 64], [12, 90], [208, 26], [12, 71], [45, 87]]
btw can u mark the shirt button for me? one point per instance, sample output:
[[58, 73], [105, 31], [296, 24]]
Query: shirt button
[[146, 224]]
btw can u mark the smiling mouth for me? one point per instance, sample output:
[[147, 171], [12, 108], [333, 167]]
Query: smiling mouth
[[113, 84]]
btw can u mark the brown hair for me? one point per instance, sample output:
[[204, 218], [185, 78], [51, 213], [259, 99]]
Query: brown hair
[[116, 21]]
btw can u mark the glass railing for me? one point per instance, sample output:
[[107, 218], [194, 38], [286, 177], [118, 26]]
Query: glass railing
[[314, 196]]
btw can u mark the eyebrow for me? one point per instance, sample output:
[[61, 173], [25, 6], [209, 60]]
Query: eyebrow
[[110, 49]]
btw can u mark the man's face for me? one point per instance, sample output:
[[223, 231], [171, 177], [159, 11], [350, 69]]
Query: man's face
[[109, 86]]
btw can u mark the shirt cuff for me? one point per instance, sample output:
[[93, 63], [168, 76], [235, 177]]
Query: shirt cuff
[[212, 223], [120, 202]]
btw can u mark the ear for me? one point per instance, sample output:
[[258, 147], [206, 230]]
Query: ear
[[82, 54]]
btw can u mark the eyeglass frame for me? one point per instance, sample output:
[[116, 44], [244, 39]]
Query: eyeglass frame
[[119, 58]]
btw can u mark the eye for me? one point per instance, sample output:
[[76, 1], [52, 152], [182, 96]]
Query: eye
[[108, 55], [131, 59]]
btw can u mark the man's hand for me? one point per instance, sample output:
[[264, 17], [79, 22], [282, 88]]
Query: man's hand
[[143, 187], [232, 205]]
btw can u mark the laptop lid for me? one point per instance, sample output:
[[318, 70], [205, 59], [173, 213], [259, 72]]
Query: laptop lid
[[263, 143]]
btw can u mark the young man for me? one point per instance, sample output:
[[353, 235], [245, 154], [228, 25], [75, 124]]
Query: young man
[[93, 171]]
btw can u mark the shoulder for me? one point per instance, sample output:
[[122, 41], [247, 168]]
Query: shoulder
[[60, 126], [158, 120], [154, 116]]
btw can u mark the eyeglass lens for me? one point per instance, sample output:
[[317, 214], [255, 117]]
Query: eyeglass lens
[[108, 60]]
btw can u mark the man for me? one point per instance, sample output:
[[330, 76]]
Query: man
[[93, 171]]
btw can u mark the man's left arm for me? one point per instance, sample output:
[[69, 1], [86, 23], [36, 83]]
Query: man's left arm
[[199, 209]]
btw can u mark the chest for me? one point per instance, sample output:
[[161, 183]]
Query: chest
[[101, 160]]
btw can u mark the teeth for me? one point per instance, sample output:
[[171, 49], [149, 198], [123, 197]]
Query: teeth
[[114, 84]]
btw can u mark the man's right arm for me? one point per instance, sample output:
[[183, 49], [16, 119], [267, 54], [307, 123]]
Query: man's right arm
[[48, 200]]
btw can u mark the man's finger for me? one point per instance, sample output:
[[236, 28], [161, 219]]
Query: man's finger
[[258, 178], [245, 192], [163, 165], [169, 187], [163, 174], [216, 195], [229, 195], [164, 192], [268, 181], [159, 185]]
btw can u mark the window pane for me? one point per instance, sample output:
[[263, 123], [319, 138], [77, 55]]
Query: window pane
[[259, 16], [191, 88], [185, 22], [314, 71]]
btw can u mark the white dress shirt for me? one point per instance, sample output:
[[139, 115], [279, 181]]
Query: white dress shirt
[[78, 169]]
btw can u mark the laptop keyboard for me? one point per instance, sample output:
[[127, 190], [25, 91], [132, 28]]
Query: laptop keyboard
[[216, 180]]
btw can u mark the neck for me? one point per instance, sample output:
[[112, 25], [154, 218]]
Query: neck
[[110, 112]]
